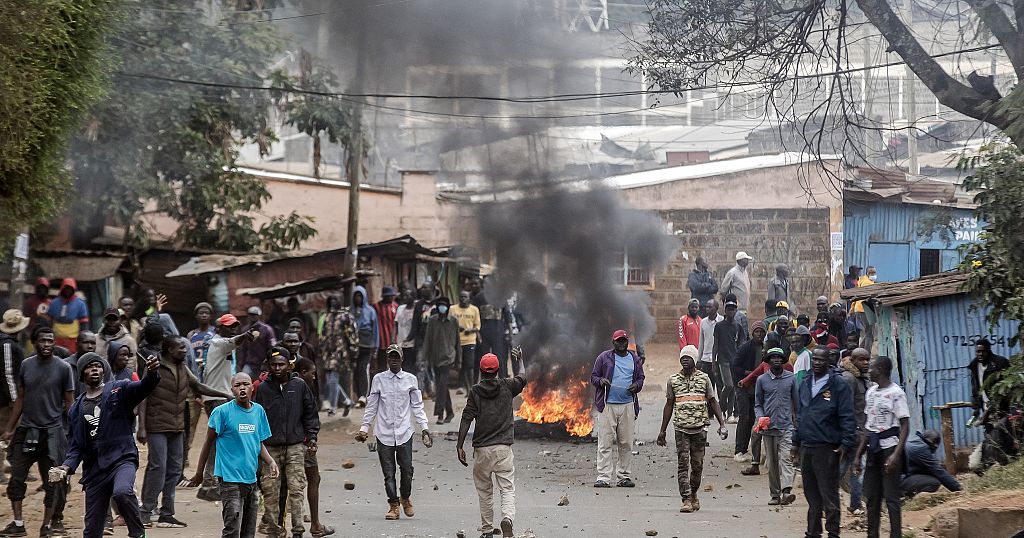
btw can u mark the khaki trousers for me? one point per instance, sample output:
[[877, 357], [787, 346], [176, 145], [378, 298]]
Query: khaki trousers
[[496, 461], [615, 430]]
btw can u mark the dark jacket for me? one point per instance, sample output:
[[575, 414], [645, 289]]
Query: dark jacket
[[11, 355], [115, 440], [995, 365], [165, 408], [441, 344], [748, 357], [604, 366], [490, 404], [291, 411], [702, 286], [826, 419], [920, 459]]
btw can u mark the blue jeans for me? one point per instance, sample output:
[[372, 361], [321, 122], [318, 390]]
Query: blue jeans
[[856, 481], [163, 472]]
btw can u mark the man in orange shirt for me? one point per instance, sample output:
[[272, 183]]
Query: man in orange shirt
[[689, 325]]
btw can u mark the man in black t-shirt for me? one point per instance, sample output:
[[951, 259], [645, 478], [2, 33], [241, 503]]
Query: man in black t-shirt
[[36, 434]]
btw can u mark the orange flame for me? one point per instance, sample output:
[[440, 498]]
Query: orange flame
[[567, 405]]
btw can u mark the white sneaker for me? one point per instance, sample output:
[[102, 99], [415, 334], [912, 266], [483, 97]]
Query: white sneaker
[[732, 419], [741, 457]]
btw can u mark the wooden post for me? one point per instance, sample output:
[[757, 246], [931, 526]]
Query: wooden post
[[946, 417]]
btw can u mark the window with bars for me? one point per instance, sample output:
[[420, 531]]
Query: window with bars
[[631, 275]]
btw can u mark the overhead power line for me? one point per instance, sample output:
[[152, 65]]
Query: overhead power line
[[533, 99]]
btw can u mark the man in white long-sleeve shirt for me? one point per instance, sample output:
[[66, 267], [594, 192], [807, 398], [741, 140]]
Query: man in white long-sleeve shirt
[[394, 402], [737, 281], [706, 341]]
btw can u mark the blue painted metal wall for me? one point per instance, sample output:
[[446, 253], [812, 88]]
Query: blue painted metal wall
[[942, 334], [866, 223]]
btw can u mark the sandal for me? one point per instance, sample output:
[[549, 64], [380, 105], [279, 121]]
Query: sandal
[[325, 530]]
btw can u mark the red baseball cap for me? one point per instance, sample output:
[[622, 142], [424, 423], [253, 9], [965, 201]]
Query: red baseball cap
[[489, 363], [620, 334], [227, 319]]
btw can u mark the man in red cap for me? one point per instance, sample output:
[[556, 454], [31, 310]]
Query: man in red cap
[[490, 404], [618, 377], [220, 367]]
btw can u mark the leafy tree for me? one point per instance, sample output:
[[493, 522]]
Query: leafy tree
[[995, 265], [53, 65], [172, 147], [785, 47], [305, 102]]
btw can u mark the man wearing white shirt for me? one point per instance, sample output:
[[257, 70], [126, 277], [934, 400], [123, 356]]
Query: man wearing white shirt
[[886, 428], [393, 403], [706, 340]]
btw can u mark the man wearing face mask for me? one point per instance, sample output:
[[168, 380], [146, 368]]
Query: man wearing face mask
[[618, 377], [442, 349], [857, 309]]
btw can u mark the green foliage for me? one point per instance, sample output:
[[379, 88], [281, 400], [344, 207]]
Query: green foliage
[[994, 264], [999, 477], [173, 148], [53, 66], [313, 114]]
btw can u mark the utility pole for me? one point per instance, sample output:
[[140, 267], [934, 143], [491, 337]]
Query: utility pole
[[913, 167], [355, 170]]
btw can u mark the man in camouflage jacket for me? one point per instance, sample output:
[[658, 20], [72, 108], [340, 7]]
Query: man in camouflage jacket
[[339, 345], [688, 396]]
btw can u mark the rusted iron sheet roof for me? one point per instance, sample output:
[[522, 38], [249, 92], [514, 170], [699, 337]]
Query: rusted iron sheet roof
[[895, 293]]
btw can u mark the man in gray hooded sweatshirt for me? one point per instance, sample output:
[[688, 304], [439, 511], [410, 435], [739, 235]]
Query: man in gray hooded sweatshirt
[[490, 405]]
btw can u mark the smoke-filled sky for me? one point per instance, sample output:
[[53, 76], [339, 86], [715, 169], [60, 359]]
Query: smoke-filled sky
[[576, 240]]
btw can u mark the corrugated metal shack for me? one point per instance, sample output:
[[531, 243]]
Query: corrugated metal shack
[[238, 281], [929, 326], [905, 227]]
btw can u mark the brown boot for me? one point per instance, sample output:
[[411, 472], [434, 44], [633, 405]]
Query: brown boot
[[687, 506], [695, 502], [407, 507], [393, 512]]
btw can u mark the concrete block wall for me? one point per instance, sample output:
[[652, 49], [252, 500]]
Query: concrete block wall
[[796, 237]]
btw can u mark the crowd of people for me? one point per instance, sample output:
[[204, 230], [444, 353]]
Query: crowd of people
[[803, 389], [96, 396], [806, 396]]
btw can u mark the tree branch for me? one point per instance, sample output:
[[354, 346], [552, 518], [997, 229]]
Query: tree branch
[[949, 91], [999, 23]]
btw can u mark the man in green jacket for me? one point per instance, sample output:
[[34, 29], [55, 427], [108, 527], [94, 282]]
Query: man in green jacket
[[442, 348]]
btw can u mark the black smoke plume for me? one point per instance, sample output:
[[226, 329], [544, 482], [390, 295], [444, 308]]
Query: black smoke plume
[[561, 251]]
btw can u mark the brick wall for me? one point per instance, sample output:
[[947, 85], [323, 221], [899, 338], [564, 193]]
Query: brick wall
[[796, 237]]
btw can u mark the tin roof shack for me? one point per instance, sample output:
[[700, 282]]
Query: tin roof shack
[[907, 227], [929, 326], [101, 275], [240, 281]]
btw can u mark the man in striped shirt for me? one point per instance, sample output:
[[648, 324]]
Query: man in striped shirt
[[386, 309]]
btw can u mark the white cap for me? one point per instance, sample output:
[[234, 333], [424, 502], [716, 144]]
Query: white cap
[[742, 256], [688, 351], [255, 311]]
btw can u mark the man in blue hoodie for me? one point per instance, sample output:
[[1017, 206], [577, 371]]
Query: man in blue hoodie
[[368, 332], [825, 431], [102, 440]]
